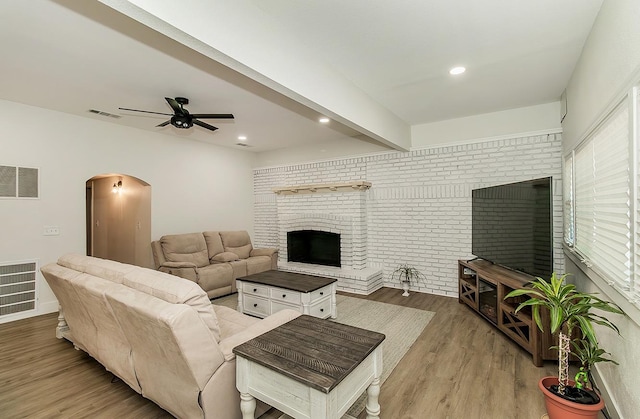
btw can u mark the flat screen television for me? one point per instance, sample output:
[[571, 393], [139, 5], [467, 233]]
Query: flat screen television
[[512, 226]]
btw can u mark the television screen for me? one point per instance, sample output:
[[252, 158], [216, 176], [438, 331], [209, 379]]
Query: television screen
[[512, 226]]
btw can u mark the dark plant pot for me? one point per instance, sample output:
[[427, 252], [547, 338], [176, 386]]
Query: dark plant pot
[[560, 408]]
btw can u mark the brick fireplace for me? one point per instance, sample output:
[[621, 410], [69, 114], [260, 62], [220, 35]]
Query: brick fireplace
[[332, 208]]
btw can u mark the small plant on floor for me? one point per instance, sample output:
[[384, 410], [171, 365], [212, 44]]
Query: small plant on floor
[[407, 275]]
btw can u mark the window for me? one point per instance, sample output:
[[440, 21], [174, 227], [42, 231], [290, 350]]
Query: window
[[601, 194]]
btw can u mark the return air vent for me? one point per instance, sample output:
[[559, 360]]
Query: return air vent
[[18, 182], [17, 287], [103, 113]]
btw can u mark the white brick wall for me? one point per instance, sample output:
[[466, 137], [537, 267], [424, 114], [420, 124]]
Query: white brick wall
[[418, 210]]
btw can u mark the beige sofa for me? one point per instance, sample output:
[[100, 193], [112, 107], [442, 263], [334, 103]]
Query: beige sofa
[[213, 259], [158, 333]]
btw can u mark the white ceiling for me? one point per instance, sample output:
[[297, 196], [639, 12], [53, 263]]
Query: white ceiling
[[72, 56]]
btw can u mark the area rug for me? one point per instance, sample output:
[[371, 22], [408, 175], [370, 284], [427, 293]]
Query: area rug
[[400, 325]]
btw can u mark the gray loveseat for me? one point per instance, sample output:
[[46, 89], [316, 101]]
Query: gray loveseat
[[213, 259]]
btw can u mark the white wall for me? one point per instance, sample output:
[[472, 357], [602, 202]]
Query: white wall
[[419, 205], [194, 186], [520, 122], [320, 151], [529, 120], [609, 62]]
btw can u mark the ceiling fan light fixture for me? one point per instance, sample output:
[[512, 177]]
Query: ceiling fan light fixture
[[181, 122]]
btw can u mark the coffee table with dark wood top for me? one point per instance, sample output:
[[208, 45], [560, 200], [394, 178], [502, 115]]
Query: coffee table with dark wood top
[[267, 292], [310, 368]]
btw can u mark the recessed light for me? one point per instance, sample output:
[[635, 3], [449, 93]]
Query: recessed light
[[457, 70], [242, 137], [324, 120]]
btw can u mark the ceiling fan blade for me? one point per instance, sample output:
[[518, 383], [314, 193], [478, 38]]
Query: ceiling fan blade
[[177, 108], [138, 110], [204, 125], [213, 115], [164, 124]]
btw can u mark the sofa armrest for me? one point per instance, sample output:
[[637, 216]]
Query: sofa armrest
[[178, 265], [186, 270], [266, 251], [257, 329]]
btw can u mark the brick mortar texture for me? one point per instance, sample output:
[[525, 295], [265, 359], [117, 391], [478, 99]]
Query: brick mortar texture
[[418, 210]]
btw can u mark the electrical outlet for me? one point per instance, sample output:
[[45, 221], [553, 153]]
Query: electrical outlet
[[51, 231]]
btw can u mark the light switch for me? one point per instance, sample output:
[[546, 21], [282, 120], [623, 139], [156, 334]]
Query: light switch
[[51, 231]]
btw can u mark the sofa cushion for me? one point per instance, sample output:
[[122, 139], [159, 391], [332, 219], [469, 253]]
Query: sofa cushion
[[174, 356], [61, 279], [214, 243], [190, 247], [103, 268], [174, 290], [237, 242], [112, 348], [224, 257], [232, 321]]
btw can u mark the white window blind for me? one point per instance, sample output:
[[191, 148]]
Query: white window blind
[[603, 199], [636, 173], [567, 190]]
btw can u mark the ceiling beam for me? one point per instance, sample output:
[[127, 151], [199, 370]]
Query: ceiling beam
[[242, 37]]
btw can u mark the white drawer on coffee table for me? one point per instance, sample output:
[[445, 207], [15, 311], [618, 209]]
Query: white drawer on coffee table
[[279, 305], [288, 296], [321, 309], [256, 306], [255, 289], [320, 293]]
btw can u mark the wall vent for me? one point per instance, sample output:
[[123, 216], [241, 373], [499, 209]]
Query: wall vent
[[103, 113], [18, 182], [17, 287]]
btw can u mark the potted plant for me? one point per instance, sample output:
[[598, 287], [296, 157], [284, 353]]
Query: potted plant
[[407, 274], [569, 311]]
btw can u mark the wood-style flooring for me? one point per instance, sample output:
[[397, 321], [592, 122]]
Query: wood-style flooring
[[460, 367]]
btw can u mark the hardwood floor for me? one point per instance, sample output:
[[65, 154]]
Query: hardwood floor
[[460, 367]]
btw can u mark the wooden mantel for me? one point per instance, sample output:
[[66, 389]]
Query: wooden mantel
[[359, 185]]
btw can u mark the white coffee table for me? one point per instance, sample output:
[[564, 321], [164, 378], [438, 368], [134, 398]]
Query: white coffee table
[[265, 293]]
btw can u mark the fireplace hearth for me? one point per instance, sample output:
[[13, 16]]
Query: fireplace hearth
[[314, 247]]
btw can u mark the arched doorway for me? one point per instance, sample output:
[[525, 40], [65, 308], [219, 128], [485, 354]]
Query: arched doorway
[[119, 219]]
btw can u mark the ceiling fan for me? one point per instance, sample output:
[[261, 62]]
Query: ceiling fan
[[181, 118]]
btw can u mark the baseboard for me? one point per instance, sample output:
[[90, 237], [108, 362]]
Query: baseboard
[[42, 308], [346, 416]]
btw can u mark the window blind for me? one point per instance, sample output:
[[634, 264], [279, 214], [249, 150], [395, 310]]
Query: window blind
[[603, 199], [635, 135], [567, 191]]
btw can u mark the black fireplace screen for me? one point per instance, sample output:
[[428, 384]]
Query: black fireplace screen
[[316, 247]]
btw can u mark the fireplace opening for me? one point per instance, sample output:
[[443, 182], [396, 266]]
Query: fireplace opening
[[312, 246]]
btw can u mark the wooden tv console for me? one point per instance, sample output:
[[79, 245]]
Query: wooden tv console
[[483, 285]]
